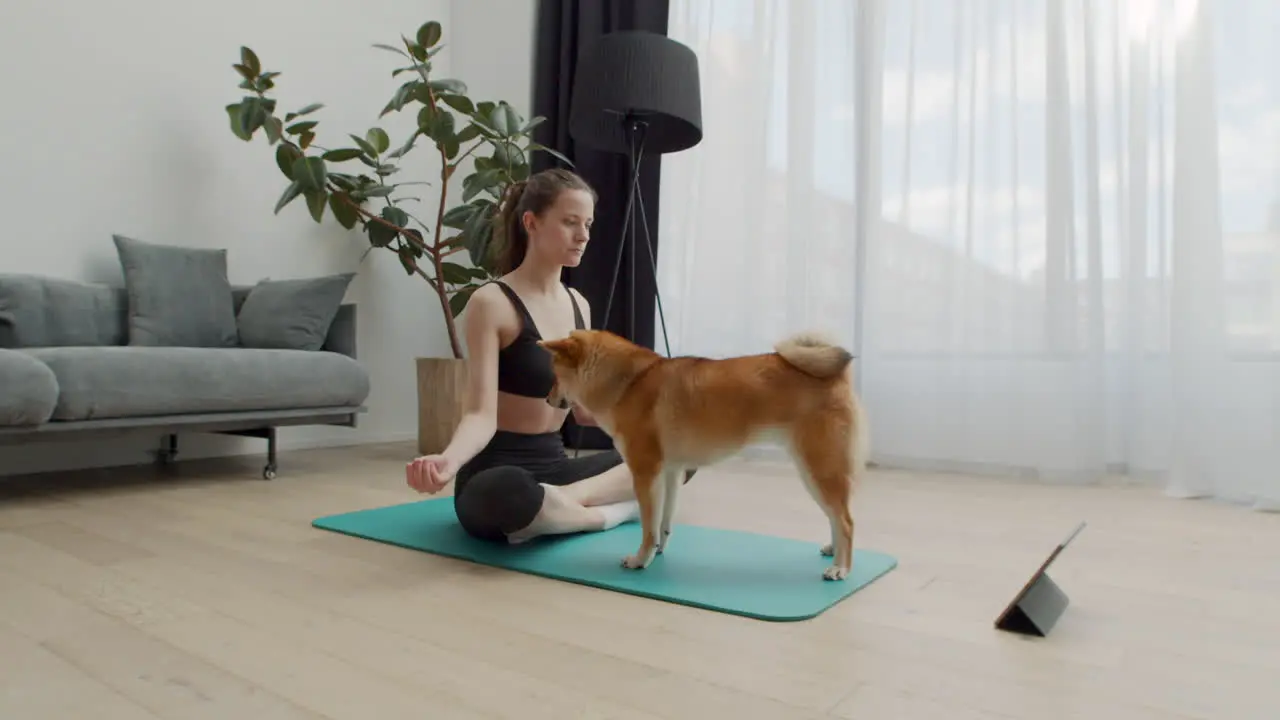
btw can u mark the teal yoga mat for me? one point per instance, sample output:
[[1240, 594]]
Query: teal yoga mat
[[756, 576]]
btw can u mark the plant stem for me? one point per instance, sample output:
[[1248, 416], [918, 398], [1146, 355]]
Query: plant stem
[[464, 155], [412, 240], [436, 258]]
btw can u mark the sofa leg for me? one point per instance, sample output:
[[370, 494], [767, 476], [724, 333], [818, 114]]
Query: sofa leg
[[168, 451], [267, 433], [269, 472]]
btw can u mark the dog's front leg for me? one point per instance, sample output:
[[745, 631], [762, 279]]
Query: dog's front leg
[[671, 478], [649, 495]]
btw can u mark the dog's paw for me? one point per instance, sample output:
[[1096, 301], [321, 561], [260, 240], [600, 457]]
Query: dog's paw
[[634, 562], [828, 550], [835, 573], [662, 543]]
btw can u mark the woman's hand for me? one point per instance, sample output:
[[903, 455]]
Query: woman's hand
[[429, 473]]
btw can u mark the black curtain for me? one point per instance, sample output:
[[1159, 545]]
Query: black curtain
[[564, 28]]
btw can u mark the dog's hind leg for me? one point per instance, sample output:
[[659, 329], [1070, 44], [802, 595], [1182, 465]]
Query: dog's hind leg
[[823, 449]]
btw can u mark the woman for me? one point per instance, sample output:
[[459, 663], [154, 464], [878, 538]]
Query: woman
[[514, 480]]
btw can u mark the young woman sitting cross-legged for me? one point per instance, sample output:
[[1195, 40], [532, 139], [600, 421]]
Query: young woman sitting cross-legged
[[513, 478]]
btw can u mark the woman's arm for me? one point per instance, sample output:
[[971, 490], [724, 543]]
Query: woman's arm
[[582, 417], [480, 403]]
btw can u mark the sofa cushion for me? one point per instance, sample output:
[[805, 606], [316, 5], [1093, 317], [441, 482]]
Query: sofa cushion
[[30, 389], [116, 382], [38, 311], [291, 314], [178, 296]]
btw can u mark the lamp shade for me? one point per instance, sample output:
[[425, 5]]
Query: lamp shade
[[640, 74]]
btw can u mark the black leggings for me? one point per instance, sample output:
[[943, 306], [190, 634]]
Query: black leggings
[[498, 491]]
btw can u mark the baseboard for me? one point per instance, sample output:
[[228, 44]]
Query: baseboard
[[112, 453]]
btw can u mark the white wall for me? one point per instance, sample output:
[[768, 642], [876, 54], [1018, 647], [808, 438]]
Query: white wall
[[110, 127]]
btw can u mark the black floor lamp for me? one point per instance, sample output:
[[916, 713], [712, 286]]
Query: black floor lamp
[[636, 93]]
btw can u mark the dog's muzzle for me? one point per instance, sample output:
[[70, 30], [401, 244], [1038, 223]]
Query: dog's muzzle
[[556, 399]]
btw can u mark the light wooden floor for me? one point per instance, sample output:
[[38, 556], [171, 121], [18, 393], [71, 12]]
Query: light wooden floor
[[202, 592]]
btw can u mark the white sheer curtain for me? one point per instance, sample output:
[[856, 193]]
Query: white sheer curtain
[[1050, 228]]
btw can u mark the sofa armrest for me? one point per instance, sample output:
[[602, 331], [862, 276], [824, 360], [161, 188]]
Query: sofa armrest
[[342, 333]]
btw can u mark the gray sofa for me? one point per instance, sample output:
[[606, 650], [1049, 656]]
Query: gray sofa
[[175, 349]]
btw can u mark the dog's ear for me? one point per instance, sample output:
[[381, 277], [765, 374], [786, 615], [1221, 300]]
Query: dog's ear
[[565, 350]]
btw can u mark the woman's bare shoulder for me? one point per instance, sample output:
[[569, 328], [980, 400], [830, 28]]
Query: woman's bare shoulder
[[489, 305]]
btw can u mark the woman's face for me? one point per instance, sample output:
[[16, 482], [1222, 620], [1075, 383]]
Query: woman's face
[[562, 233]]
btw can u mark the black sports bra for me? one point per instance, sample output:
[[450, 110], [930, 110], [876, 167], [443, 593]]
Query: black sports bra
[[523, 367]]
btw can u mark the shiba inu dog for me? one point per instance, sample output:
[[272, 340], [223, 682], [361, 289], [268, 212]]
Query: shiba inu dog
[[668, 415]]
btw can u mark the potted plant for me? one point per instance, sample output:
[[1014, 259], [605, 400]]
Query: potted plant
[[493, 135]]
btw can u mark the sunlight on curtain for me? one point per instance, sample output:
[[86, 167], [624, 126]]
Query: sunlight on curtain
[[1049, 228]]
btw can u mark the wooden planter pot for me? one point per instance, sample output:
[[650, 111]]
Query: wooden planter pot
[[441, 384]]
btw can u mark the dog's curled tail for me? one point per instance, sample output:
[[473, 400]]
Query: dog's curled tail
[[814, 354]]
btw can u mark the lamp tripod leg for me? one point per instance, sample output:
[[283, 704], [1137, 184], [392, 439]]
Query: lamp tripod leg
[[653, 267], [628, 224]]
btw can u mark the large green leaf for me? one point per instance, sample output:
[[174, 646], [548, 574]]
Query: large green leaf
[[427, 117], [289, 117], [380, 235], [316, 200], [461, 103], [310, 173], [448, 85], [300, 127], [377, 191], [504, 119], [458, 301], [549, 151], [457, 216], [274, 128], [440, 127], [252, 114], [378, 139], [413, 239], [249, 59], [479, 182], [395, 216], [343, 180], [454, 274], [286, 155], [478, 230], [407, 259], [406, 147], [341, 154], [504, 154], [402, 96], [290, 194], [233, 116], [364, 145], [430, 33], [346, 215], [391, 48]]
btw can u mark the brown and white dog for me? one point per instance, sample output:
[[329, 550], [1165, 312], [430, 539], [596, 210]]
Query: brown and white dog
[[668, 415]]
